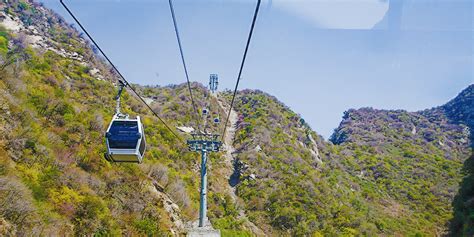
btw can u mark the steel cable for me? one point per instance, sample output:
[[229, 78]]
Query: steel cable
[[119, 73], [184, 64], [241, 66]]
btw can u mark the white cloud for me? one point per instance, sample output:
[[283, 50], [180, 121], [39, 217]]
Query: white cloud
[[336, 14]]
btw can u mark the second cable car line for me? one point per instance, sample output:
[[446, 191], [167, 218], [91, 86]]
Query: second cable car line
[[125, 136]]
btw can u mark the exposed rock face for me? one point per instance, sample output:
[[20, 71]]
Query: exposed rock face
[[11, 23], [186, 129], [171, 208], [314, 149], [36, 31]]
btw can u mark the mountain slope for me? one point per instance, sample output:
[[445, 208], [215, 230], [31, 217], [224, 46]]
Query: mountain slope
[[415, 157], [56, 101], [55, 107], [390, 172]]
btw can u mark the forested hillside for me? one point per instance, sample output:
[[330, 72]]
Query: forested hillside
[[386, 172], [383, 173]]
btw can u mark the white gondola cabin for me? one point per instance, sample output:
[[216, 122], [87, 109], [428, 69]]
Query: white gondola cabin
[[125, 140]]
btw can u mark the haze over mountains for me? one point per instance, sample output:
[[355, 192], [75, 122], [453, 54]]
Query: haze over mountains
[[383, 172]]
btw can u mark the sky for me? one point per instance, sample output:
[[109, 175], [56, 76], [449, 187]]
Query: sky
[[319, 57]]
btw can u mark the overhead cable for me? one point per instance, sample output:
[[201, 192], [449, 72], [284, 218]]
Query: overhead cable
[[241, 66], [125, 82], [184, 64]]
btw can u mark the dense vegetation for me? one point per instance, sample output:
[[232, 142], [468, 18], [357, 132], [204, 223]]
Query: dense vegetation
[[463, 221], [393, 172], [54, 111], [383, 173]]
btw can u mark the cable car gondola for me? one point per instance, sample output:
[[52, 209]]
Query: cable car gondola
[[125, 137]]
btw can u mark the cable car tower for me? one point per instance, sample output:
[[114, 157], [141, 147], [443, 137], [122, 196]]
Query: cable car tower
[[204, 143], [125, 137]]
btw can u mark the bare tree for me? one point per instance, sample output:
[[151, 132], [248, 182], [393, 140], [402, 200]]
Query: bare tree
[[16, 204], [177, 190], [159, 173]]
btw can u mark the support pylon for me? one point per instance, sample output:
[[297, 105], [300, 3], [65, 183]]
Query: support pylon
[[204, 143]]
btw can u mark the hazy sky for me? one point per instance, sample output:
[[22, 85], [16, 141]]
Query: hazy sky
[[320, 57]]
